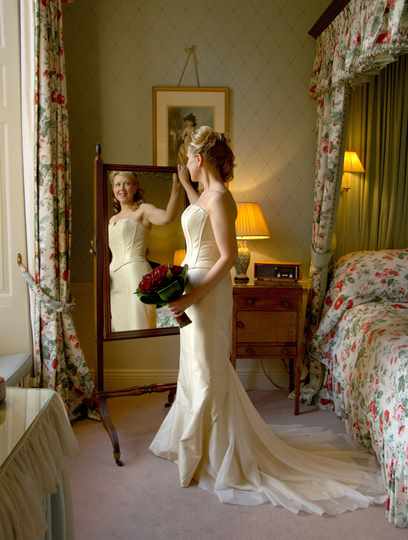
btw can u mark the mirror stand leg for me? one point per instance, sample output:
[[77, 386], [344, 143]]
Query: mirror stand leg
[[171, 397], [110, 429]]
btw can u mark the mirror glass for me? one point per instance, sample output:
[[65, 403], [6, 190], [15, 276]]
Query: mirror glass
[[136, 246]]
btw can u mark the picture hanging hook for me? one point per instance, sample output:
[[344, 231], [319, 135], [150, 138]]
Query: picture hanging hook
[[191, 52]]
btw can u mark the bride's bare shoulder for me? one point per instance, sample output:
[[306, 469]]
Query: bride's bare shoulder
[[224, 200]]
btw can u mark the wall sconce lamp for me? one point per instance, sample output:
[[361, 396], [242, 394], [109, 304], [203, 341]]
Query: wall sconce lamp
[[351, 165], [250, 225]]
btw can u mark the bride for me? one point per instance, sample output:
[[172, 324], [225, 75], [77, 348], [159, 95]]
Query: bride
[[213, 432]]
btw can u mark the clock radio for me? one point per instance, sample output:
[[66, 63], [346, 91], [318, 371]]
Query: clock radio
[[276, 270]]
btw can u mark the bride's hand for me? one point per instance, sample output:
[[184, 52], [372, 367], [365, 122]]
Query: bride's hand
[[175, 186], [183, 174], [177, 307]]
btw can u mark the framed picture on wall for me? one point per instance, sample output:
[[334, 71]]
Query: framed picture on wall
[[177, 111]]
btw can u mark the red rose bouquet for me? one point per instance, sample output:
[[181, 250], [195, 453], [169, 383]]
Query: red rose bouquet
[[162, 285]]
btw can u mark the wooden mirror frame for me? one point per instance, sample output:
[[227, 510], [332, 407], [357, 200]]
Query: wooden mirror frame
[[99, 248], [102, 253]]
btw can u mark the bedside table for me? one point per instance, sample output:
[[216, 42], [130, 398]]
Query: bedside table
[[268, 322]]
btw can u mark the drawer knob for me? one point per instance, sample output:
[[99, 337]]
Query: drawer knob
[[250, 350], [240, 324], [251, 301], [285, 303]]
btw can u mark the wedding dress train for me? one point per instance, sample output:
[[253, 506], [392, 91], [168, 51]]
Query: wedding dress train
[[216, 436]]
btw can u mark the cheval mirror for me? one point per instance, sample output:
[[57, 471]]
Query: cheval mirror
[[123, 253]]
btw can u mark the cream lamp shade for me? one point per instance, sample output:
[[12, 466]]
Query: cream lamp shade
[[250, 225], [178, 256], [351, 165]]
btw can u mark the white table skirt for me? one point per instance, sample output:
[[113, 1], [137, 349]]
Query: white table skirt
[[35, 439]]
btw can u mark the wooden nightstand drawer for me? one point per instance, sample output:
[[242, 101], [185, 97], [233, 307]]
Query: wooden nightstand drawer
[[269, 326], [260, 350], [278, 301], [268, 321]]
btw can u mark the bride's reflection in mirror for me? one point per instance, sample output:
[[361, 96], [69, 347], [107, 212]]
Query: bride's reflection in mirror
[[128, 233]]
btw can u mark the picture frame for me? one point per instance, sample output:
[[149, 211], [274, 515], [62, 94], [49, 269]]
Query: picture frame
[[177, 110]]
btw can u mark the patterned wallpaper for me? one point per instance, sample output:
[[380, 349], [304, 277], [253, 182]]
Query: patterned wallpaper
[[116, 51]]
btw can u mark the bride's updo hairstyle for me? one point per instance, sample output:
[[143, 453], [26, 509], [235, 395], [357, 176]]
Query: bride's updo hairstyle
[[214, 148]]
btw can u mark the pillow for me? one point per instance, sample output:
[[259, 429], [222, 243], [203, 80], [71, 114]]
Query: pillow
[[365, 276]]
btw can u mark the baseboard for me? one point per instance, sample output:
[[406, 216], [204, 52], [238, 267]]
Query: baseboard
[[252, 379]]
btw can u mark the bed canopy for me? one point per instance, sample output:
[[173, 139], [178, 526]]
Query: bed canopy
[[365, 36]]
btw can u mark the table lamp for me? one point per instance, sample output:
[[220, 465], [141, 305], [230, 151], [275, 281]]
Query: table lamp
[[351, 165], [178, 256], [250, 225]]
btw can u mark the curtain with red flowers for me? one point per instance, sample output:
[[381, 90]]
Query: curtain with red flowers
[[363, 38], [58, 358]]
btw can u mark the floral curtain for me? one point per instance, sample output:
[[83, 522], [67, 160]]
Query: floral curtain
[[58, 358], [364, 37]]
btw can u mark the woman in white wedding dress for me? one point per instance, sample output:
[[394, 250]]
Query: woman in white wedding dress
[[212, 431], [128, 230]]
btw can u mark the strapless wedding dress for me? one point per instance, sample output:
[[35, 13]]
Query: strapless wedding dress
[[216, 436], [127, 242]]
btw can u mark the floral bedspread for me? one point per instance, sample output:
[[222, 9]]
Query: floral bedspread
[[363, 341]]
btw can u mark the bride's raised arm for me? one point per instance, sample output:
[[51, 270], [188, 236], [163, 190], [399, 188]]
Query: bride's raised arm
[[184, 176], [162, 216]]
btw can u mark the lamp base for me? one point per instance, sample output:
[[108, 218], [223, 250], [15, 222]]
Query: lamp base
[[242, 263], [241, 279]]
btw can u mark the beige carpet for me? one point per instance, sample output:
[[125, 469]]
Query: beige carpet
[[143, 501]]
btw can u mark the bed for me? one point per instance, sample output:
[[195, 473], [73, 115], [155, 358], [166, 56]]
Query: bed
[[362, 340]]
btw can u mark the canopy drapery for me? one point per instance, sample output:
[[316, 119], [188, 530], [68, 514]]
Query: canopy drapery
[[373, 213], [366, 36]]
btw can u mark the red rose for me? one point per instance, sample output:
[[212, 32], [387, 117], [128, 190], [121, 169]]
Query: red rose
[[350, 304], [159, 274], [146, 284]]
